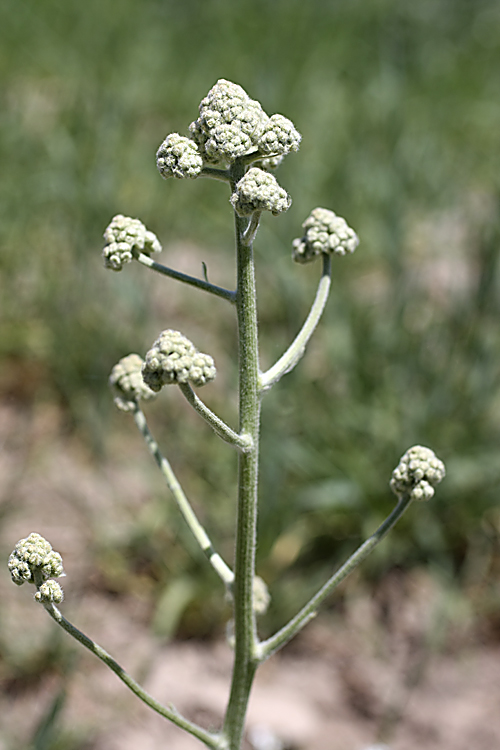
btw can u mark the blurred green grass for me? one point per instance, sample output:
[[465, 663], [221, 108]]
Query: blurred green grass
[[398, 106]]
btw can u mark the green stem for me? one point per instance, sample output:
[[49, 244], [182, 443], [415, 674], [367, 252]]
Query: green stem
[[243, 442], [205, 286], [245, 633], [214, 741], [308, 612], [199, 533], [297, 348]]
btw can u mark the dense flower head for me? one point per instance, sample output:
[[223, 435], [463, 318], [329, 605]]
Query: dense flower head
[[279, 136], [173, 359], [325, 233], [34, 553], [179, 156], [50, 591], [127, 383], [258, 190], [231, 124], [417, 473], [125, 237]]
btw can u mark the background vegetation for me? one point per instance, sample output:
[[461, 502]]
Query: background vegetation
[[399, 110]]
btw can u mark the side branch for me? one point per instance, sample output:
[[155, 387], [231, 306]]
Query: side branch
[[308, 612], [221, 568], [213, 741], [296, 350], [205, 286], [243, 442]]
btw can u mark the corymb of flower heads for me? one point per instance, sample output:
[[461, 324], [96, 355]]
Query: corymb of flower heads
[[417, 473], [127, 383], [173, 359], [325, 233], [179, 157], [259, 191], [33, 558], [126, 237]]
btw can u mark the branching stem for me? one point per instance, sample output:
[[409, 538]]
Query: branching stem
[[308, 612], [205, 286], [199, 533]]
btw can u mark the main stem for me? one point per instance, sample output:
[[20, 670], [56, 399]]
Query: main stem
[[245, 662]]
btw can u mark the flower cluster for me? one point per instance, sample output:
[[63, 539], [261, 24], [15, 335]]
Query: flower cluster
[[259, 191], [174, 359], [417, 473], [125, 237], [325, 233], [127, 383], [33, 560], [178, 157], [230, 125]]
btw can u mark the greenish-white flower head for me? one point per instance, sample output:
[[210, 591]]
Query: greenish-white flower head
[[231, 124], [325, 233], [33, 559], [417, 473], [125, 238], [127, 383], [258, 190], [179, 156], [50, 591], [173, 359], [279, 137], [261, 596]]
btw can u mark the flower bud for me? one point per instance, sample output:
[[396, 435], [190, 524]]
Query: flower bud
[[126, 237], [325, 233], [179, 157], [417, 473], [279, 137], [34, 554], [127, 383], [50, 591], [259, 191], [173, 359]]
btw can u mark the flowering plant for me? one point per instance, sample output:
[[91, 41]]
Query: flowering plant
[[234, 141]]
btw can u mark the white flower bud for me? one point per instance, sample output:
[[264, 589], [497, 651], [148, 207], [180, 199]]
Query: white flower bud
[[34, 553], [417, 473], [179, 157], [325, 233], [50, 591], [173, 359], [259, 191], [126, 237], [279, 137], [230, 123], [127, 383]]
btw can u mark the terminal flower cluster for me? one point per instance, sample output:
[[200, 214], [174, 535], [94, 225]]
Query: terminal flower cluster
[[325, 233], [127, 383], [230, 125], [174, 359], [417, 473], [34, 561], [125, 237]]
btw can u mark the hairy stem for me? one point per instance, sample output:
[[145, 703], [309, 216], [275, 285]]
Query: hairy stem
[[199, 533], [308, 612], [245, 662], [205, 286], [243, 442], [297, 348], [213, 741]]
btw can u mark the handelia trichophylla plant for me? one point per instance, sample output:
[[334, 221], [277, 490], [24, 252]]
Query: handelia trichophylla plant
[[233, 141]]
